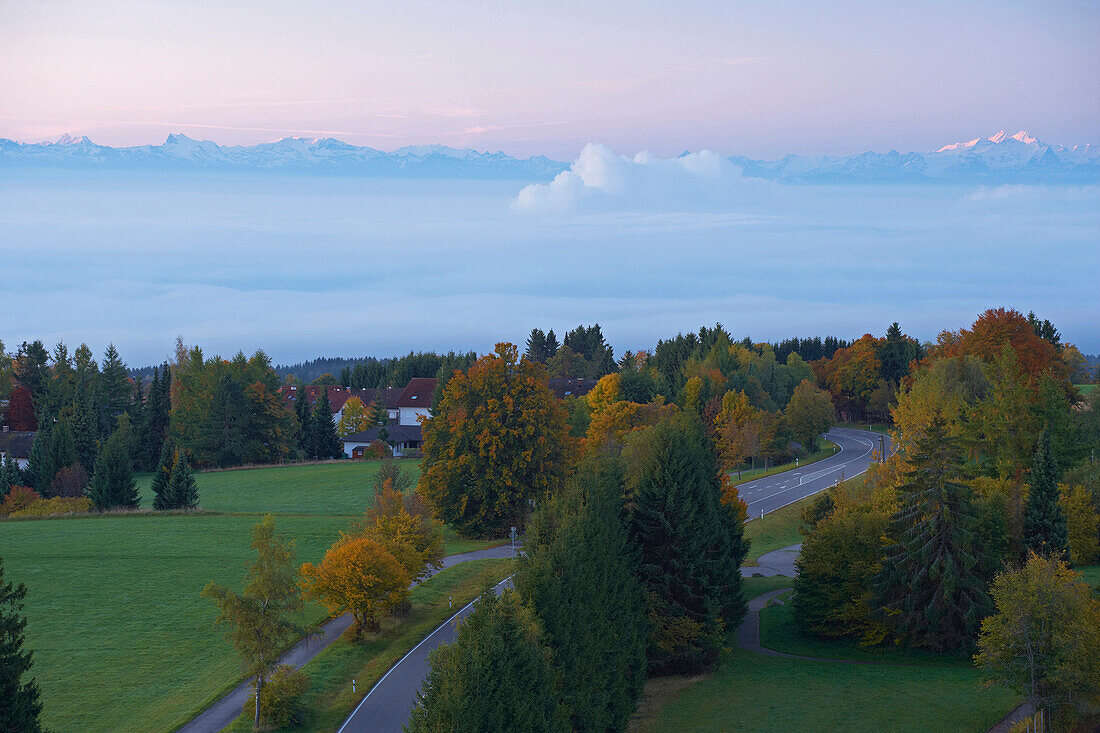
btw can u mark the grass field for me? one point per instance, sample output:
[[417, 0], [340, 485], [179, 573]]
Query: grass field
[[122, 640], [751, 692], [1085, 389]]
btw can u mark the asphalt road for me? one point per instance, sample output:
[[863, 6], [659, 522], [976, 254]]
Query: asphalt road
[[774, 492], [225, 711], [389, 703]]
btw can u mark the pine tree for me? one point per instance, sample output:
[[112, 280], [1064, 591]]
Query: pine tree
[[1045, 530], [305, 418], [690, 545], [19, 705], [930, 586], [154, 428], [379, 415], [578, 576], [162, 496], [181, 487], [112, 484], [114, 389], [324, 442]]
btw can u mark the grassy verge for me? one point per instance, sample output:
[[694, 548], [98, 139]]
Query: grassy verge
[[753, 474], [751, 692], [330, 699], [113, 600], [781, 528]]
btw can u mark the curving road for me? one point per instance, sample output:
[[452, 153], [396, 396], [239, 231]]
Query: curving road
[[765, 495], [224, 711]]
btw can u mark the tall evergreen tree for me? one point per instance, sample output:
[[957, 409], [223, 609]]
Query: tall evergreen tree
[[497, 676], [379, 415], [112, 484], [40, 466], [32, 369], [84, 426], [154, 429], [62, 448], [19, 704], [538, 347], [10, 475], [1045, 530], [930, 586], [324, 442], [181, 486], [578, 576], [304, 413], [114, 390], [690, 545]]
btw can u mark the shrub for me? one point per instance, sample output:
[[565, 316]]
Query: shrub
[[70, 481], [20, 497], [377, 449], [280, 698], [55, 506]]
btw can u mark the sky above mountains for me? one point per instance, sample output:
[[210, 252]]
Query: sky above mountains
[[757, 79]]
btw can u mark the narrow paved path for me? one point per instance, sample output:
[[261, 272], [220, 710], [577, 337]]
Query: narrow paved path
[[774, 492], [225, 711], [776, 562]]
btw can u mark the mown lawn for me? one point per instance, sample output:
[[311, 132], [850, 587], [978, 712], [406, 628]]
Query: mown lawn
[[751, 692], [122, 639]]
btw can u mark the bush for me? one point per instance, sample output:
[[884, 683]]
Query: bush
[[70, 481], [377, 449], [20, 497], [55, 506], [280, 697]]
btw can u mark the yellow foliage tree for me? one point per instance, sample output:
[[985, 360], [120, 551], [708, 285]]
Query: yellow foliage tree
[[353, 418], [610, 427], [414, 538], [739, 428], [606, 393], [358, 575], [1082, 524]]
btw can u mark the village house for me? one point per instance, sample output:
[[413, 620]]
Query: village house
[[16, 445]]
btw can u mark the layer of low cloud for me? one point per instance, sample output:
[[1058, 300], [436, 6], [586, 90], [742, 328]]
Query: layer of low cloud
[[599, 180]]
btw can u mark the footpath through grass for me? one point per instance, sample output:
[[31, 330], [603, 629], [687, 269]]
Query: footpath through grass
[[752, 692], [330, 700], [121, 638]]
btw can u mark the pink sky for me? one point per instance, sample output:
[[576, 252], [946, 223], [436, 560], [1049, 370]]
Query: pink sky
[[753, 78]]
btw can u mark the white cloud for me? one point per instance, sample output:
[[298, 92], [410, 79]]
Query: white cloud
[[599, 179]]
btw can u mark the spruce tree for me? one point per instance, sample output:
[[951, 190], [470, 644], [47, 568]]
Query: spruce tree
[[496, 676], [1045, 530], [162, 496], [930, 586], [10, 475], [40, 468], [84, 426], [305, 419], [19, 705], [690, 546], [379, 415], [114, 389], [112, 484], [181, 487], [578, 576], [154, 429], [62, 448], [325, 443]]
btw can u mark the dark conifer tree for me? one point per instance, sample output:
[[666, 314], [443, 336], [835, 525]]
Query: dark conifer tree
[[325, 442], [84, 426], [40, 468], [578, 576], [181, 486], [112, 484], [19, 704], [114, 390], [304, 413], [154, 429], [62, 451], [690, 545], [1045, 529], [930, 587], [162, 478], [10, 475]]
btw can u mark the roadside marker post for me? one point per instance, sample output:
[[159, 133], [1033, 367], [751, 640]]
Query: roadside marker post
[[513, 536]]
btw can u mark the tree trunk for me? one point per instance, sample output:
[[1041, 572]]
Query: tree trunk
[[256, 715]]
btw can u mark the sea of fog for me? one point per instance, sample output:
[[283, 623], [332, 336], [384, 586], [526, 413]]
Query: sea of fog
[[303, 266]]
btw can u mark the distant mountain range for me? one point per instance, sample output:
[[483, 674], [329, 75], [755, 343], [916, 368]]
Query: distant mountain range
[[999, 158]]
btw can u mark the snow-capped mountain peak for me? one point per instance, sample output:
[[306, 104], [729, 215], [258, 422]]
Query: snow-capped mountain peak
[[68, 139]]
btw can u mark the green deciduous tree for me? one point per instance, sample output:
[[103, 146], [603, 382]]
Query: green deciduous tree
[[1044, 639], [1044, 522], [19, 704], [579, 577], [497, 676], [498, 441], [260, 620], [930, 586], [690, 546], [112, 485], [1082, 525], [809, 414]]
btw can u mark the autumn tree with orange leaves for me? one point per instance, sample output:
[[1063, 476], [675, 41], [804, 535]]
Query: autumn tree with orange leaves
[[358, 575], [498, 441]]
